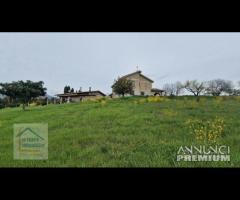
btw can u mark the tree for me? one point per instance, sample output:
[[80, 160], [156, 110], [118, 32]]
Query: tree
[[235, 92], [67, 89], [9, 90], [122, 86], [173, 89], [218, 86], [179, 87], [22, 91], [169, 89], [72, 90], [3, 102], [194, 87]]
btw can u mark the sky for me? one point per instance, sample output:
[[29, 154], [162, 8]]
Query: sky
[[96, 59]]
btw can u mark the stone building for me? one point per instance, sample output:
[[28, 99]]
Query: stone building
[[80, 96], [142, 85]]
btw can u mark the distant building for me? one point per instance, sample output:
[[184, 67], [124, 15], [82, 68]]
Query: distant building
[[142, 85], [80, 96]]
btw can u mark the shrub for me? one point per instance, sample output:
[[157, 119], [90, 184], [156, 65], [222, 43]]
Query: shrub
[[2, 106], [206, 131], [40, 102], [144, 100], [32, 104], [156, 99], [13, 105]]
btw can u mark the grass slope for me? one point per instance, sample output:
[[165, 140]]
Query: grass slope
[[126, 132]]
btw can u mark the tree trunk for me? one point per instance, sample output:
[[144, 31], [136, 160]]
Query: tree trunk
[[24, 106]]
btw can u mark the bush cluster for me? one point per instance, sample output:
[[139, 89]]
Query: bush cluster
[[206, 130]]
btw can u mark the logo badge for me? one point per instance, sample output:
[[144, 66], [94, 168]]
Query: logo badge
[[30, 141]]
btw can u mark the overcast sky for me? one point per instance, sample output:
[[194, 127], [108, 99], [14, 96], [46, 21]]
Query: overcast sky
[[96, 59]]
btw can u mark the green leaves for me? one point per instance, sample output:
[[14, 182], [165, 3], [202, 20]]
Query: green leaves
[[21, 91], [123, 86]]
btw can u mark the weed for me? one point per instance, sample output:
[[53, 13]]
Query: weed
[[207, 131]]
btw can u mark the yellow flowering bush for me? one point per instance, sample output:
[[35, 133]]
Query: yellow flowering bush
[[151, 99], [156, 99], [142, 101], [207, 131], [95, 100]]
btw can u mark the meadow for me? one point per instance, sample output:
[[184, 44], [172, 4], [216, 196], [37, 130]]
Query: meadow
[[127, 132]]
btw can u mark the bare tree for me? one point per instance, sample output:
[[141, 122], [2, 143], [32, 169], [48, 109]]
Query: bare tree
[[179, 87], [169, 88], [218, 86], [235, 92], [194, 87], [173, 89]]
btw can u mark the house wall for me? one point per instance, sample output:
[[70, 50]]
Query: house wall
[[76, 99], [92, 97], [140, 84], [81, 98], [84, 98]]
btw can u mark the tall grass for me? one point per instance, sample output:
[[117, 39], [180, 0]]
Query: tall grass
[[126, 132]]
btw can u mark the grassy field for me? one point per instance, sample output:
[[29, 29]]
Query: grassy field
[[130, 132]]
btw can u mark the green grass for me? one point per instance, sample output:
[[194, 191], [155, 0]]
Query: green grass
[[128, 132]]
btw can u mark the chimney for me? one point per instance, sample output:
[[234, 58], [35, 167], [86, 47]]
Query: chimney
[[90, 89]]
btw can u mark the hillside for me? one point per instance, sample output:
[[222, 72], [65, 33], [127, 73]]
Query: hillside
[[130, 132]]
